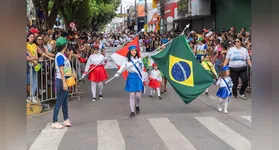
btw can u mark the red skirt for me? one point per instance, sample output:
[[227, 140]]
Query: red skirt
[[153, 83], [99, 74]]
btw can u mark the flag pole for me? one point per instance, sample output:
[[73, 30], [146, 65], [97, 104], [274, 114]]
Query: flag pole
[[108, 56], [156, 50]]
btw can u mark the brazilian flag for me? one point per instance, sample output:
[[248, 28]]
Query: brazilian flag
[[182, 70]]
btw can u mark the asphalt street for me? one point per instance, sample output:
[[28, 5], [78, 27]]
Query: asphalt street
[[166, 124]]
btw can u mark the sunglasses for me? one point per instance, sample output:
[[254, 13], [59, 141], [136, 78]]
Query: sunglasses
[[237, 41], [95, 48]]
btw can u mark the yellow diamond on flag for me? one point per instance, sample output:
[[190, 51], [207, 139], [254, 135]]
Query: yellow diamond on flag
[[181, 71]]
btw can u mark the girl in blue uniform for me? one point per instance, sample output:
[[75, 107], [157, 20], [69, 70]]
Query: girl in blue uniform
[[225, 88], [134, 82]]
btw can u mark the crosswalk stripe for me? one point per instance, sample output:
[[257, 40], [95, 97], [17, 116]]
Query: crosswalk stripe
[[49, 139], [247, 118], [173, 139], [109, 135], [225, 133]]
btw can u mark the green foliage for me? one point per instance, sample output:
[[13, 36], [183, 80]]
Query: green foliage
[[182, 7], [90, 13]]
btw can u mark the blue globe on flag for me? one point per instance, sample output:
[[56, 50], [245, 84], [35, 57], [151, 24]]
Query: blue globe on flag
[[181, 71]]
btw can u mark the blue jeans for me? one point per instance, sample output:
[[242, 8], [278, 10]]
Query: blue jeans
[[218, 66], [33, 79], [62, 100]]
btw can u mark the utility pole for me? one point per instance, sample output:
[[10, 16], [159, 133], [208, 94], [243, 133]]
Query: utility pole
[[162, 16], [145, 12], [136, 19]]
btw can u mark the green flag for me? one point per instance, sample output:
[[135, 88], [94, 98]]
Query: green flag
[[145, 61], [182, 70]]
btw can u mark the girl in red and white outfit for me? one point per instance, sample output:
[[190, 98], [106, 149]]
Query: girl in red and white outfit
[[155, 80], [97, 75]]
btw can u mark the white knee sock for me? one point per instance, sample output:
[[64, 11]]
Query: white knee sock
[[151, 91], [226, 103], [132, 101], [101, 87], [138, 98], [93, 89], [158, 91]]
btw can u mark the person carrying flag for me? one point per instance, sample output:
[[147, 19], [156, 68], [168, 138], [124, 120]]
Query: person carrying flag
[[134, 82], [98, 74], [208, 66]]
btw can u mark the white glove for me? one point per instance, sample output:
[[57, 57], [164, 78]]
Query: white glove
[[116, 75]]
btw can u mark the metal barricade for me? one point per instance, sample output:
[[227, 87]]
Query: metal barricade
[[43, 81]]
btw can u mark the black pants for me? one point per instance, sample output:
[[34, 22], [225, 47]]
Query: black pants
[[237, 73]]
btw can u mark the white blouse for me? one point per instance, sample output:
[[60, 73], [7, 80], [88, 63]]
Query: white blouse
[[95, 59], [156, 74], [127, 65], [221, 83]]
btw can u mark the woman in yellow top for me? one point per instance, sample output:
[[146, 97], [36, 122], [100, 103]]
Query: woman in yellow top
[[208, 66], [31, 66]]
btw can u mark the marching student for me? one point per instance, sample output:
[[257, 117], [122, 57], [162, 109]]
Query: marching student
[[97, 75], [208, 66], [155, 80], [134, 82], [225, 88]]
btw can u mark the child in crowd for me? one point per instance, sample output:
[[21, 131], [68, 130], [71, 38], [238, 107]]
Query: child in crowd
[[208, 66], [155, 80], [225, 90]]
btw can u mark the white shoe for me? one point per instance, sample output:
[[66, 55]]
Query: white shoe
[[67, 123], [226, 112], [34, 100], [56, 125], [220, 108], [94, 100]]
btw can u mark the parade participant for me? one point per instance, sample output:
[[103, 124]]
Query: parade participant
[[155, 80], [200, 49], [63, 72], [208, 66], [225, 91], [134, 82], [97, 75]]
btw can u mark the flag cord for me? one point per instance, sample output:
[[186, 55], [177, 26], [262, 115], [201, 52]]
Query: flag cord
[[148, 55]]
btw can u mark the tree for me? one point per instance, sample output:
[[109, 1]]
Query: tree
[[182, 7], [49, 17]]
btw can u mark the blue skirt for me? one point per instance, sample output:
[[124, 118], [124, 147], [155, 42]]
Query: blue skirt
[[134, 83], [223, 93]]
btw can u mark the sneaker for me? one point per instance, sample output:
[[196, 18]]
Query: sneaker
[[100, 96], [235, 97], [67, 123], [28, 101], [226, 112], [206, 93], [159, 97], [151, 96], [220, 108], [34, 100], [243, 96], [94, 100], [56, 125]]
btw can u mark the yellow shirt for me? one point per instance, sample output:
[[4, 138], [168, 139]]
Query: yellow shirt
[[208, 66], [32, 48]]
